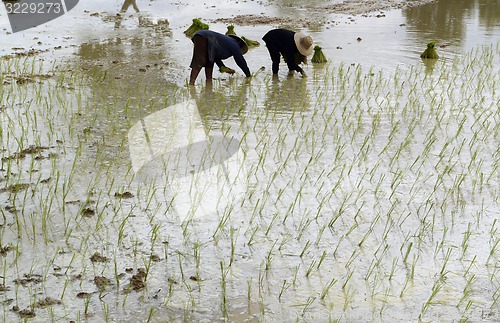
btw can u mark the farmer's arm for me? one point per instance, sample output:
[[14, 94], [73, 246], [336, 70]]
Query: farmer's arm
[[290, 61]]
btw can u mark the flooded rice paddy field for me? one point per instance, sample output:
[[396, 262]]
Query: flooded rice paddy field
[[367, 191]]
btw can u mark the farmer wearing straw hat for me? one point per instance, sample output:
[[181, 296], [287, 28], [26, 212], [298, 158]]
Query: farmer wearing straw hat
[[211, 47], [294, 46]]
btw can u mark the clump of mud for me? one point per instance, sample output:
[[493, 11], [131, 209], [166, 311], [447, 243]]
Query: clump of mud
[[21, 52], [4, 288], [254, 20], [355, 7], [124, 195], [101, 282], [29, 279], [47, 301], [27, 313], [137, 281], [4, 250], [88, 213], [15, 188], [83, 295], [97, 257], [31, 150]]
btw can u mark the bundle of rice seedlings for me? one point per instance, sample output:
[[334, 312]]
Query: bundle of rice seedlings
[[230, 30], [430, 52], [250, 43], [225, 69], [195, 26], [318, 56]]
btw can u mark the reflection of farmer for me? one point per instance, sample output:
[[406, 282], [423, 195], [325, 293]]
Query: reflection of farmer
[[287, 96], [294, 47], [129, 3], [211, 47]]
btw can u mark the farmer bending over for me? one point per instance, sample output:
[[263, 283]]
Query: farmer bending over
[[295, 47], [211, 47]]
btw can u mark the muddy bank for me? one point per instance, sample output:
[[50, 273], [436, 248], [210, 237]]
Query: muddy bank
[[355, 7], [317, 9]]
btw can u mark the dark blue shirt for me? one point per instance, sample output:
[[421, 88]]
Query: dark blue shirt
[[222, 47], [281, 41]]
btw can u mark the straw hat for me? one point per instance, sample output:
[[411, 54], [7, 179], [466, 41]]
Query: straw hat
[[243, 45], [303, 43]]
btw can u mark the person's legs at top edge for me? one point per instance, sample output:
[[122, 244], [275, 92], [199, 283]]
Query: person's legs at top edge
[[200, 57]]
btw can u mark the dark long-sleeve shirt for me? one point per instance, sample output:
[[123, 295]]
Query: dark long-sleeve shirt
[[280, 41], [222, 47]]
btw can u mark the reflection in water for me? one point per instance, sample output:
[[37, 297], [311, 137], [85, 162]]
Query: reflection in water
[[226, 101], [288, 95], [110, 48], [158, 25], [429, 64], [124, 71], [446, 20], [125, 6]]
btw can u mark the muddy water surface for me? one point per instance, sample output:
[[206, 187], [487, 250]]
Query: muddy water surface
[[366, 192]]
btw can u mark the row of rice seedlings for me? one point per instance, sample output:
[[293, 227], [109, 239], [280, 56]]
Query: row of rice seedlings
[[397, 181]]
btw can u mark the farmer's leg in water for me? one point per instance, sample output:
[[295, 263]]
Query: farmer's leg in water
[[209, 69], [200, 57], [275, 57]]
